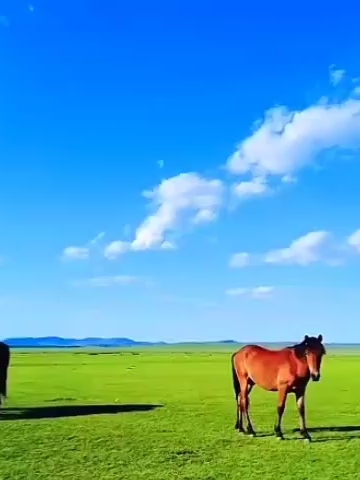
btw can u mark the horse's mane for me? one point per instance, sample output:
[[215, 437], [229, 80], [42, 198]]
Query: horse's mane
[[301, 347]]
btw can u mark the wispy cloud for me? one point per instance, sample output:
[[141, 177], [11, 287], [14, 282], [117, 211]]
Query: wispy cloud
[[302, 251], [239, 260], [254, 188], [109, 281], [336, 75], [81, 252], [259, 293], [286, 141], [96, 239], [313, 247], [281, 144], [354, 240], [75, 253], [114, 249], [187, 198]]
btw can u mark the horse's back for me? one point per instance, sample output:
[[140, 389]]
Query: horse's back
[[263, 366]]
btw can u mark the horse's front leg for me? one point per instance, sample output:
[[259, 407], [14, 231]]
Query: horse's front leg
[[283, 391], [300, 403]]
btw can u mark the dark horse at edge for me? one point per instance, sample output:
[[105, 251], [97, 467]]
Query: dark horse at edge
[[4, 364], [284, 371]]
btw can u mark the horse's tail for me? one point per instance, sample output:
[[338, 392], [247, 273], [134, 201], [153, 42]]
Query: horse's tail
[[236, 382], [4, 364]]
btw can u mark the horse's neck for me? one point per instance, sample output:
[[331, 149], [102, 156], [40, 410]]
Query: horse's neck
[[299, 352]]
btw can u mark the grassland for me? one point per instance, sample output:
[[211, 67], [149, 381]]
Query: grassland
[[76, 415]]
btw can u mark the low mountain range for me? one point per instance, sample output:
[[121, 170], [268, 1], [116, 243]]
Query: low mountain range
[[122, 342], [59, 342]]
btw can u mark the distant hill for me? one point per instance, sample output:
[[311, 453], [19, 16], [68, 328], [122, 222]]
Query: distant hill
[[59, 342]]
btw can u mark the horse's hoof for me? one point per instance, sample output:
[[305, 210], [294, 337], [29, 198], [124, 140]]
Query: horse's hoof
[[250, 431], [305, 436], [279, 437]]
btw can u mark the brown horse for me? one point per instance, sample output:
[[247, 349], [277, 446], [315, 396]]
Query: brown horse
[[284, 371], [4, 364]]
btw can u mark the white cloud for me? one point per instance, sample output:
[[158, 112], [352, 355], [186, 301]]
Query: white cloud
[[239, 260], [235, 292], [286, 141], [255, 187], [116, 248], [336, 75], [187, 198], [288, 179], [262, 292], [302, 251], [96, 239], [75, 253], [354, 240], [281, 144], [259, 293], [108, 281], [167, 245], [204, 216], [316, 246], [81, 252]]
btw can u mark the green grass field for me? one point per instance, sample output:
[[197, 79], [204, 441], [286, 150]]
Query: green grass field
[[70, 416]]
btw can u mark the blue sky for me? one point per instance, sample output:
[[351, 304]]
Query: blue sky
[[179, 171]]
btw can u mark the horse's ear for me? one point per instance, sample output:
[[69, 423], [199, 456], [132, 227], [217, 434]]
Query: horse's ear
[[320, 338], [306, 338]]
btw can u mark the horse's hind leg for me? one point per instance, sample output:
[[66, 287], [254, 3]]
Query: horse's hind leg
[[250, 429], [239, 416], [245, 403], [239, 410], [280, 411]]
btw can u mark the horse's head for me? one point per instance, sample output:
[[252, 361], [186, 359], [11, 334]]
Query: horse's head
[[314, 351]]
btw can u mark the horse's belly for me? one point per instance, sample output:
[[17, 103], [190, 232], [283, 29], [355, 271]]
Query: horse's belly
[[265, 376], [267, 384]]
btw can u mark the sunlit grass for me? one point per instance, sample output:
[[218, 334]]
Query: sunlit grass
[[185, 427]]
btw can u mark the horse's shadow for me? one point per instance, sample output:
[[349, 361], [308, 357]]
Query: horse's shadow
[[63, 411], [330, 429], [349, 429], [334, 428]]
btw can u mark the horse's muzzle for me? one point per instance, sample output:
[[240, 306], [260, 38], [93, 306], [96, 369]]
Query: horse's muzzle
[[315, 377]]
